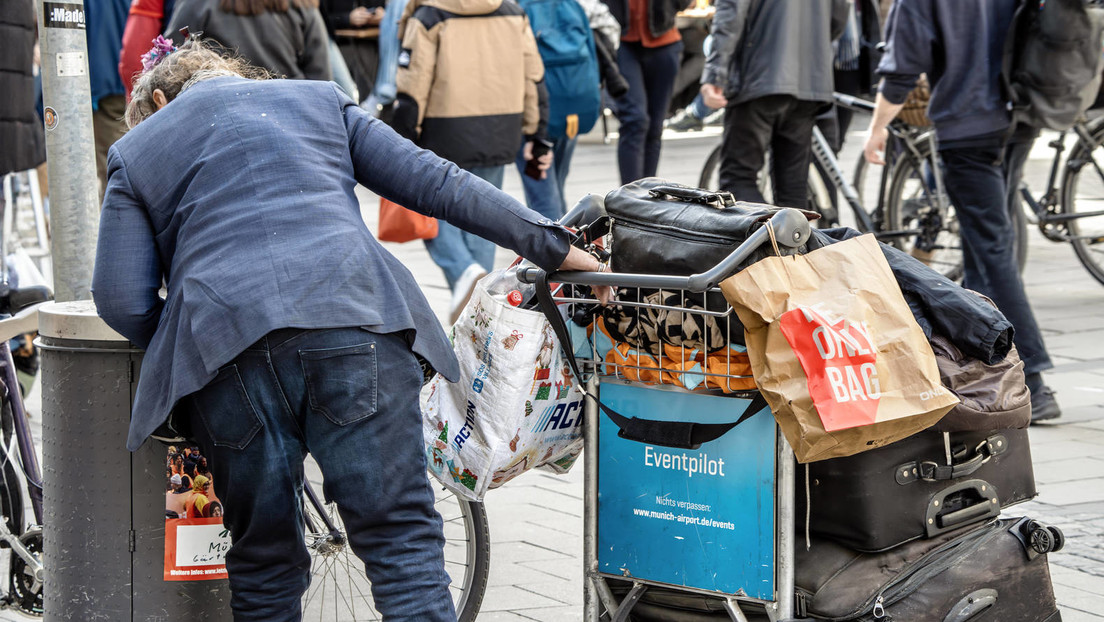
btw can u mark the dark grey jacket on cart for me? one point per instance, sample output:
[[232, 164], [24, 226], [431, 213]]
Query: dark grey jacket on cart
[[939, 305], [774, 47]]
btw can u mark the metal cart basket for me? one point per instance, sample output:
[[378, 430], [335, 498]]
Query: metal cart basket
[[709, 519]]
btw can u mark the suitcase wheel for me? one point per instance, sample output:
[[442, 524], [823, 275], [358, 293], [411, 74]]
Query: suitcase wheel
[[1044, 539], [1059, 538]]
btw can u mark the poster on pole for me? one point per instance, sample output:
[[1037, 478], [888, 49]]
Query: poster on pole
[[196, 541]]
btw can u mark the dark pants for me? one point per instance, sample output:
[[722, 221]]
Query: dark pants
[[785, 125], [350, 398], [650, 73], [975, 182], [362, 58]]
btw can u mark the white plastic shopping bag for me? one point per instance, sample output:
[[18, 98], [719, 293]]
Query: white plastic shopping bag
[[516, 407]]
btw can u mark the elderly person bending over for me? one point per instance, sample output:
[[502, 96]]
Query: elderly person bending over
[[287, 328]]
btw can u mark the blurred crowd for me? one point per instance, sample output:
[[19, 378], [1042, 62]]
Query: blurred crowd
[[493, 83]]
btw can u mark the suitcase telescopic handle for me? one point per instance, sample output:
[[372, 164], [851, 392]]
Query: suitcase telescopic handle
[[791, 229]]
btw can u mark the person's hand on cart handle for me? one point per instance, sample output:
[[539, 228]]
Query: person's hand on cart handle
[[582, 261]]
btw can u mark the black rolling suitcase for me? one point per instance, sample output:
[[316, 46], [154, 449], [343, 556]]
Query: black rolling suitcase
[[884, 497], [993, 573]]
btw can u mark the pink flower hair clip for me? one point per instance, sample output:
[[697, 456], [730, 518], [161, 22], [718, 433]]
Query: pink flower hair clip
[[162, 47]]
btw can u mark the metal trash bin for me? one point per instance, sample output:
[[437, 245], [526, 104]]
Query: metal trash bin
[[104, 537]]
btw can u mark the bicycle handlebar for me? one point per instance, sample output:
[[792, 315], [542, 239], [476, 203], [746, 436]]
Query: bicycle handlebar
[[791, 229], [25, 321], [856, 103]]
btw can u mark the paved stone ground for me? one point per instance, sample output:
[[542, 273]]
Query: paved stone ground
[[536, 521]]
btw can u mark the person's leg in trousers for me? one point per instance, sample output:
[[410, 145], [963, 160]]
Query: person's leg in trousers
[[341, 74], [661, 66], [563, 149], [747, 132], [632, 114], [482, 250], [541, 195], [385, 89], [356, 393], [1015, 156], [255, 451], [107, 127], [790, 151], [975, 184], [449, 251]]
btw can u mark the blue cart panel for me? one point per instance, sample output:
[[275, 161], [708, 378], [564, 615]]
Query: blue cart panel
[[703, 518]]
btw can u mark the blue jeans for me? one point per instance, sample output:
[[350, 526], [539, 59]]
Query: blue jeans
[[976, 186], [341, 74], [546, 196], [453, 250], [650, 73], [350, 398], [386, 90]]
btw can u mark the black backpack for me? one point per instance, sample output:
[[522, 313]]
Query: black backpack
[[1052, 61]]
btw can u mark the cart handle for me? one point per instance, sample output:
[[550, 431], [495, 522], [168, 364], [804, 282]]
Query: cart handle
[[791, 229]]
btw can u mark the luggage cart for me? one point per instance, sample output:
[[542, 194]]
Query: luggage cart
[[713, 520]]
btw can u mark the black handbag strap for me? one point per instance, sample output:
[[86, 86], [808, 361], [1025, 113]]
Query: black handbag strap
[[676, 434]]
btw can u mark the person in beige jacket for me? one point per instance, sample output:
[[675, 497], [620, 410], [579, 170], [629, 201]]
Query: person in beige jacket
[[470, 86]]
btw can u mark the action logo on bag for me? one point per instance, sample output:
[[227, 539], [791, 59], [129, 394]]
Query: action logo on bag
[[839, 361]]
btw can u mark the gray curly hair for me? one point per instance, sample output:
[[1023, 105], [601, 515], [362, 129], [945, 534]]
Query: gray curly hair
[[192, 62]]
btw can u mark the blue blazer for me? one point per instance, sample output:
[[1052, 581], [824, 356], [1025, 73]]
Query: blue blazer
[[238, 196]]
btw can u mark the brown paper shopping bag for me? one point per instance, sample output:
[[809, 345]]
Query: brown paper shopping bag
[[836, 351]]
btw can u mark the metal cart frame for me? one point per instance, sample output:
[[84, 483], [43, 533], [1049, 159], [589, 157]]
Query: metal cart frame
[[787, 227]]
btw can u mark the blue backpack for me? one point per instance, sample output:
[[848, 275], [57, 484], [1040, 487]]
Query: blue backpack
[[566, 47]]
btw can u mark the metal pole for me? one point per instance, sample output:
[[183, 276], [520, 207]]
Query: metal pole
[[70, 146]]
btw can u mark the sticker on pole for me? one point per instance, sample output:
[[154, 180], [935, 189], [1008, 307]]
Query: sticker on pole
[[839, 359], [63, 15], [49, 118], [196, 541]]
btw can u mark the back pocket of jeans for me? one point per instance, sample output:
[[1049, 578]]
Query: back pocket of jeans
[[226, 411], [341, 382]]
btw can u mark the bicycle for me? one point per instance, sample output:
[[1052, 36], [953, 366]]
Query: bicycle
[[911, 209], [339, 589], [20, 474], [1062, 213]]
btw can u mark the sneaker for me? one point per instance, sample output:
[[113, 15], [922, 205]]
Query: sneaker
[[715, 118], [683, 121], [465, 285], [1044, 406]]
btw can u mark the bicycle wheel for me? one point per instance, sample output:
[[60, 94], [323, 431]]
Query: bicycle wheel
[[912, 206], [819, 199], [1083, 196], [339, 590]]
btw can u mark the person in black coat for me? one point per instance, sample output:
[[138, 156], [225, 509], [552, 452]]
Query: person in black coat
[[22, 143]]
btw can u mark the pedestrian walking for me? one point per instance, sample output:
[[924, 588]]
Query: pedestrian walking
[[105, 21], [649, 56], [957, 45], [476, 123], [287, 328], [146, 20], [286, 37], [355, 28], [770, 67], [22, 144]]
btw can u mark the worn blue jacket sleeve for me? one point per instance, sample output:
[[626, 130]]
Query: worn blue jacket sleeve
[[128, 273], [396, 169], [910, 37]]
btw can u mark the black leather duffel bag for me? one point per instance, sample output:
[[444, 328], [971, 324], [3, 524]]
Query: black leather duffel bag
[[660, 227]]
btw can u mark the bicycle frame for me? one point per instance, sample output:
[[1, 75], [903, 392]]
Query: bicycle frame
[[23, 322], [904, 137], [1043, 211]]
